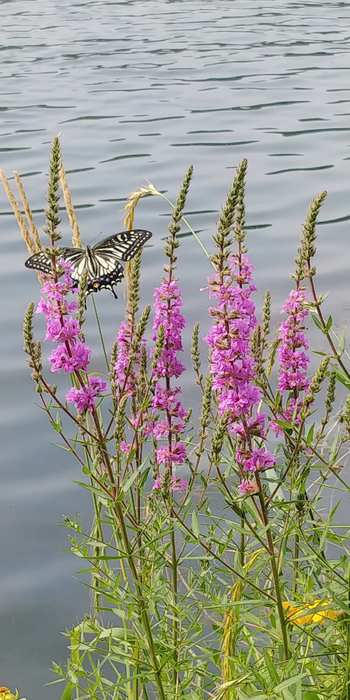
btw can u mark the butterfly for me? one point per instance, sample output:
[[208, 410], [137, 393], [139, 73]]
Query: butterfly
[[100, 261]]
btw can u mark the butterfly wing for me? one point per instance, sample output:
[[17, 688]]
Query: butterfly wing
[[123, 245], [77, 258], [41, 262], [103, 271], [107, 280]]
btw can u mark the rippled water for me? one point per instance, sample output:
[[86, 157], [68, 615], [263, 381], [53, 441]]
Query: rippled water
[[140, 90]]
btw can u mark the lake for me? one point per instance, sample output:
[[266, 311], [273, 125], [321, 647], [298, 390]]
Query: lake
[[139, 91]]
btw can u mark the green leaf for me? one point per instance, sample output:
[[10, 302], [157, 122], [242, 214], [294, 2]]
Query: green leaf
[[126, 485], [144, 476], [334, 449], [341, 343], [342, 605], [322, 297], [328, 325], [288, 682], [93, 489], [238, 566], [259, 678], [317, 322], [118, 633], [67, 693], [270, 667], [341, 376], [310, 435], [311, 695], [57, 424], [195, 525]]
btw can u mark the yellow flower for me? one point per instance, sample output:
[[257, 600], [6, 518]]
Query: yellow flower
[[319, 617], [5, 694]]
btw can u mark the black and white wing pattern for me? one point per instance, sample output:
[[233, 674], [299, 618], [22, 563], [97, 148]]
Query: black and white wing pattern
[[102, 272], [101, 262], [124, 245], [41, 262]]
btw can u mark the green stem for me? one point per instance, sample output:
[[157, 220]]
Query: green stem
[[139, 593], [242, 543], [320, 316], [175, 621], [222, 561], [100, 333], [295, 565], [345, 692], [347, 673], [187, 224], [285, 639]]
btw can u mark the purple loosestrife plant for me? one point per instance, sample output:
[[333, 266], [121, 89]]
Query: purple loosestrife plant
[[293, 360], [127, 370], [168, 324], [71, 355], [232, 365], [166, 399]]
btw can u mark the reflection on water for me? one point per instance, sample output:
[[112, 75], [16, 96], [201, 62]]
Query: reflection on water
[[140, 91]]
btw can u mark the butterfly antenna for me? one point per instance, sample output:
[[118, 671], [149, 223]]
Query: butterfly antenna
[[96, 237]]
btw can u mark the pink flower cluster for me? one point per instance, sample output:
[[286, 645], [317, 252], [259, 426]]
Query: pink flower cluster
[[166, 399], [127, 375], [167, 313], [294, 361], [71, 354], [290, 414], [233, 366], [176, 484], [251, 459], [84, 399], [247, 487]]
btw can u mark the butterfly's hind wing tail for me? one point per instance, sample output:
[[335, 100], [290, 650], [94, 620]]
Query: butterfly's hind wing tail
[[107, 280]]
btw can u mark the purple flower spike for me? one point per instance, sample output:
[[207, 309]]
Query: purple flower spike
[[248, 487], [75, 359], [294, 361], [127, 375], [166, 399], [175, 455], [232, 363], [176, 484], [232, 366], [167, 312], [71, 354], [84, 398]]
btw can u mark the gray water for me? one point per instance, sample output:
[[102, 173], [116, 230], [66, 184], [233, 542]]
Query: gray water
[[139, 91]]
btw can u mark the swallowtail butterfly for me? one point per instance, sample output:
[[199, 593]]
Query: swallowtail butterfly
[[101, 261]]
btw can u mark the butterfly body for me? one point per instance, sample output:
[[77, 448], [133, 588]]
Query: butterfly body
[[101, 262]]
